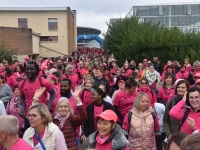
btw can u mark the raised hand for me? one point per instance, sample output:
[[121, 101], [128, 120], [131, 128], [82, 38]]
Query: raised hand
[[39, 92], [76, 92]]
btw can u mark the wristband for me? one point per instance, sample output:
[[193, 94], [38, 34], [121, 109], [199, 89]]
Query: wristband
[[35, 99]]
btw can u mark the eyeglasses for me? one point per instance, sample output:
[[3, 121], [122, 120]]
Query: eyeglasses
[[196, 78], [144, 83], [61, 107], [192, 98], [32, 115]]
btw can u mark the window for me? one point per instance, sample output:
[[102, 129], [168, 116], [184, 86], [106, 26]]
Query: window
[[49, 38], [52, 22], [22, 23]]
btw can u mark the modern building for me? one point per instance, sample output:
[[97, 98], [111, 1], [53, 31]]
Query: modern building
[[54, 31], [186, 16], [89, 37]]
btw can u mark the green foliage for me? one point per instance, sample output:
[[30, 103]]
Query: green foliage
[[128, 39], [7, 54]]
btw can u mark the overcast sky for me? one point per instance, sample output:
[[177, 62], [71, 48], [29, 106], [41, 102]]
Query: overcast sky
[[90, 13]]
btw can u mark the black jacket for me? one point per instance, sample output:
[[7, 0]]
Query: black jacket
[[88, 127], [103, 81]]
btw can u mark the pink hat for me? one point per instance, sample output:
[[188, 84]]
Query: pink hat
[[26, 58], [52, 77], [108, 115], [196, 75], [121, 81]]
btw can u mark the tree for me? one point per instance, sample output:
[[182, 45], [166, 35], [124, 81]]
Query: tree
[[129, 39], [7, 54]]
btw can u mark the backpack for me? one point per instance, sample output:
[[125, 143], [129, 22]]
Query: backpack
[[186, 113], [24, 81]]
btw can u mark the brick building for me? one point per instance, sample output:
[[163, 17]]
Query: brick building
[[47, 32]]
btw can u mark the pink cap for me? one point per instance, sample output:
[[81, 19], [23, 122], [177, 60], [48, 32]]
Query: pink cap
[[121, 81], [108, 115], [196, 75], [26, 58], [52, 77]]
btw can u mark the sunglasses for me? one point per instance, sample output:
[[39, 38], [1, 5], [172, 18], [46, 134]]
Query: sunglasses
[[144, 83]]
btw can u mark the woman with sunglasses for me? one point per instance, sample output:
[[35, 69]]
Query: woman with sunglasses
[[167, 89], [144, 87], [123, 75], [124, 99], [171, 125], [13, 107], [187, 111]]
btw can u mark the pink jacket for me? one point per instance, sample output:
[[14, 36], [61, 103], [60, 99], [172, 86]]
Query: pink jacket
[[182, 75], [177, 112], [128, 72], [15, 112], [164, 93]]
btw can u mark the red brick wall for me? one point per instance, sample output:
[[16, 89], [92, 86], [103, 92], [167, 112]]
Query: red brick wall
[[70, 29], [18, 39]]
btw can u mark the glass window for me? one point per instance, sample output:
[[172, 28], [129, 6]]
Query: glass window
[[22, 23], [174, 21], [135, 11], [160, 10], [144, 11], [52, 22], [158, 19], [181, 21], [187, 20], [151, 19], [164, 21], [195, 9], [192, 20], [49, 38], [179, 10], [166, 10], [197, 20], [154, 11]]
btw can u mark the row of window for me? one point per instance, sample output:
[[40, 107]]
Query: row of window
[[166, 10], [52, 23]]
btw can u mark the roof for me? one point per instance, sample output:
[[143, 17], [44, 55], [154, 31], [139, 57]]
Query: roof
[[33, 8], [87, 30], [166, 3]]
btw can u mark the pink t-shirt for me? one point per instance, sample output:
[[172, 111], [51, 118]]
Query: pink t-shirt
[[124, 101], [87, 100], [29, 89], [11, 81], [35, 141], [21, 145], [97, 111]]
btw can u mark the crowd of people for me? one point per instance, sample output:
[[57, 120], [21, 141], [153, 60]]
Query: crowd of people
[[57, 104]]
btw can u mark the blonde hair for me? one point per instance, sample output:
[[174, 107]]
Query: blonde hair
[[138, 98], [43, 111], [90, 79], [191, 142], [68, 103]]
